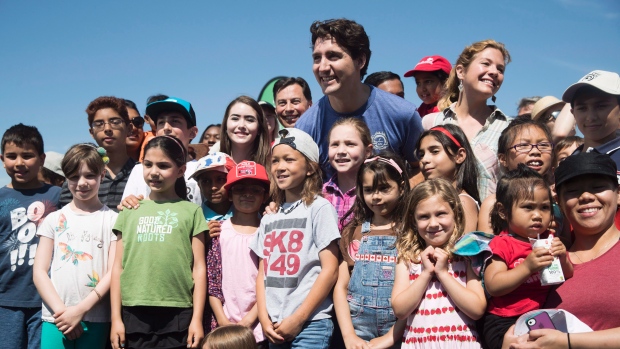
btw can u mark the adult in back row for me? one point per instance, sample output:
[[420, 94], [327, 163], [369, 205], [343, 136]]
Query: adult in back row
[[340, 54]]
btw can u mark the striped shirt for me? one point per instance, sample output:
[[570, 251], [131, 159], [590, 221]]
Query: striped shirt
[[110, 190], [484, 144]]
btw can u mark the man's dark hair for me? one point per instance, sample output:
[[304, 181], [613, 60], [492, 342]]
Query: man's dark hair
[[376, 79], [155, 98], [284, 83], [21, 135], [350, 35]]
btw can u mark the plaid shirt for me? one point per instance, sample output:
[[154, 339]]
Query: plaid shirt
[[484, 144], [341, 201], [110, 190]]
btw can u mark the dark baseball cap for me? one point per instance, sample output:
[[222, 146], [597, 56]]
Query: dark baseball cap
[[584, 163], [172, 104]]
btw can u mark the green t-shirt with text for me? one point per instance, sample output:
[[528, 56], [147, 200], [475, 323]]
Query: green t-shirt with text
[[157, 252]]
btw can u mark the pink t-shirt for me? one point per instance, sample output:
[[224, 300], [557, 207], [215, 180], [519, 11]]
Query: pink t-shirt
[[239, 271], [530, 295]]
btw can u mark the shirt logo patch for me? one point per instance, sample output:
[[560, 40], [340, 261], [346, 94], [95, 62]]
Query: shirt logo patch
[[380, 141]]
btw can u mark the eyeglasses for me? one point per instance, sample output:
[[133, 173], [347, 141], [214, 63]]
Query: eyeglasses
[[250, 189], [137, 121], [543, 147], [552, 116], [116, 123]]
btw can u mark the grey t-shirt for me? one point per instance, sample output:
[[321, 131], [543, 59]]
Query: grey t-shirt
[[289, 243]]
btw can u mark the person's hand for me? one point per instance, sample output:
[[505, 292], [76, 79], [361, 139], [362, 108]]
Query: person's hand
[[270, 332], [441, 260], [510, 338], [289, 328], [224, 322], [543, 339], [248, 321], [215, 228], [68, 319], [352, 341], [557, 248], [131, 202], [428, 259], [272, 208], [75, 333], [117, 334], [538, 259], [195, 334], [380, 343]]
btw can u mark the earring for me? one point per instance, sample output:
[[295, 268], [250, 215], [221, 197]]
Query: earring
[[493, 98], [460, 85]]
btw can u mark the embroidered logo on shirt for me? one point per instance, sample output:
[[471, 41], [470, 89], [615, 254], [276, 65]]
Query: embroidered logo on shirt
[[380, 141]]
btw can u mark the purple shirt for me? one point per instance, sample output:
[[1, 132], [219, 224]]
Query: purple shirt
[[341, 201]]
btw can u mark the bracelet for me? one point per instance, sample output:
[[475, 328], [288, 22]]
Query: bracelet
[[568, 337], [97, 293]]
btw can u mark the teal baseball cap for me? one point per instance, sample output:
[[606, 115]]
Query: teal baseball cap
[[172, 104]]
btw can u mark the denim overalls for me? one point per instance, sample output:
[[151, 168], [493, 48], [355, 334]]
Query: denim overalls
[[370, 288]]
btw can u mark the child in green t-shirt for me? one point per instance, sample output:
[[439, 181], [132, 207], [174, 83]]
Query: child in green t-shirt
[[160, 261]]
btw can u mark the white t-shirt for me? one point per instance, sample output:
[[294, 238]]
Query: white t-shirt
[[81, 246], [289, 242], [137, 186]]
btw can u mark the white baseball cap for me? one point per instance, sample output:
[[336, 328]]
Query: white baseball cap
[[299, 140], [606, 81]]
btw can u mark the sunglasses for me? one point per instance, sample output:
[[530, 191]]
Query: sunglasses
[[137, 121], [552, 116]]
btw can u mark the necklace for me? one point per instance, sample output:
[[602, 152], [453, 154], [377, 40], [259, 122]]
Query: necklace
[[601, 251]]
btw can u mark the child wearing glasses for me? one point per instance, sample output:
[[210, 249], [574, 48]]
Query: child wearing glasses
[[109, 125], [233, 296], [524, 141]]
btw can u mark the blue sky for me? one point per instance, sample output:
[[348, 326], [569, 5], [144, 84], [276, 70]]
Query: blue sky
[[58, 56]]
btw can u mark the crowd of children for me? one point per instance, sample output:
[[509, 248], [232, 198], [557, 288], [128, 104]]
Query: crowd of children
[[251, 246]]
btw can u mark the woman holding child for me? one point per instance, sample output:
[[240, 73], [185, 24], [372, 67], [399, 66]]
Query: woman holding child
[[587, 188]]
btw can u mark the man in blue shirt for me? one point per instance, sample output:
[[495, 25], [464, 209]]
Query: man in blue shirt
[[340, 54]]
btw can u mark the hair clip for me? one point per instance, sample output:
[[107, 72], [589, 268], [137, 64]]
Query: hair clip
[[104, 155], [448, 134], [390, 162]]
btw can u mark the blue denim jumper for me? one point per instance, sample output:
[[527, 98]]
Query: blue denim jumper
[[370, 288]]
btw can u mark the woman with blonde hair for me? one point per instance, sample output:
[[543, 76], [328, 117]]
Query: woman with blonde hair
[[476, 76]]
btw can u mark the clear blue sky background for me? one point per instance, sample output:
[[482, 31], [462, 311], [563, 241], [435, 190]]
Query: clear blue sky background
[[57, 56]]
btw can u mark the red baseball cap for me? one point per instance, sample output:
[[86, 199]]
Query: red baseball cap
[[246, 170], [430, 63]]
